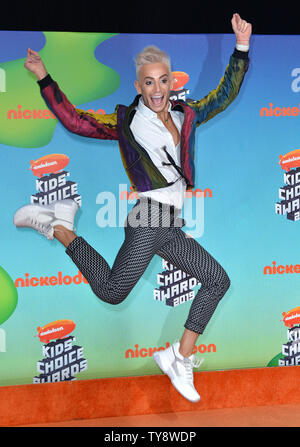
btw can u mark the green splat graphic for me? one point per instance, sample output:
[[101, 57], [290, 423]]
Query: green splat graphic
[[274, 361], [8, 296], [69, 58]]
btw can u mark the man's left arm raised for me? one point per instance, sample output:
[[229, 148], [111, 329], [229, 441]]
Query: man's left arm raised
[[220, 98]]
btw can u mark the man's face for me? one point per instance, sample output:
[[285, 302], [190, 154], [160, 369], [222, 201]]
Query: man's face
[[154, 84]]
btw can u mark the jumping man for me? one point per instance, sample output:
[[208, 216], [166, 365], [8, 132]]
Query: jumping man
[[156, 137]]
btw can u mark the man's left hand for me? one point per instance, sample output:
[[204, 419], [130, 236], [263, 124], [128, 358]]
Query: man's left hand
[[242, 29]]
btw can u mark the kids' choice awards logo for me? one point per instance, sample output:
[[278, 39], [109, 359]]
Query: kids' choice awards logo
[[180, 79], [51, 182], [290, 351], [175, 286], [289, 194], [61, 359]]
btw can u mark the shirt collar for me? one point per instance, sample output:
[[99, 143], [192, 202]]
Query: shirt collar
[[144, 110]]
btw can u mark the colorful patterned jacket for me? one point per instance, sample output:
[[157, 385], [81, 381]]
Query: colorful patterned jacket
[[142, 173]]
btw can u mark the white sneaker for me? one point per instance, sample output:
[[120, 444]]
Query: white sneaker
[[44, 217], [179, 369]]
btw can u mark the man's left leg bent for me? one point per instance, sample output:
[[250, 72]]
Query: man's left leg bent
[[187, 255]]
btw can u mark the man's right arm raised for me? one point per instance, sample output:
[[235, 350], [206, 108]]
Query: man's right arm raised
[[78, 121]]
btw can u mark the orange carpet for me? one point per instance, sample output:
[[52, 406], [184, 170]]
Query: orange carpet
[[265, 416], [146, 395]]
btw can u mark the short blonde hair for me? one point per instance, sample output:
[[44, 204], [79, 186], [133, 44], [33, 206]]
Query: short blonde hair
[[151, 55]]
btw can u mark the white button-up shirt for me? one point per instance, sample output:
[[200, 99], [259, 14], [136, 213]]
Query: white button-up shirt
[[152, 135]]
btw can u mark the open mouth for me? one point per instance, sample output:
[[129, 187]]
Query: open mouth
[[157, 101]]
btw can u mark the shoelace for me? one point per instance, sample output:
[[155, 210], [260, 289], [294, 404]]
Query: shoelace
[[197, 362], [41, 228], [188, 367], [189, 364], [37, 225]]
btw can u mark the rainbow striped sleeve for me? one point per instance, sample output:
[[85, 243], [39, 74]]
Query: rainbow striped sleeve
[[220, 98], [78, 121]]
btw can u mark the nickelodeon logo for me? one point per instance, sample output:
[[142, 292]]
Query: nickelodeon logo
[[56, 329], [290, 160], [279, 111], [180, 78], [49, 164], [292, 317], [58, 280], [46, 114], [30, 114], [281, 269], [178, 92], [148, 352]]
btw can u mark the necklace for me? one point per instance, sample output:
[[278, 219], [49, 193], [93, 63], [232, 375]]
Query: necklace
[[163, 119]]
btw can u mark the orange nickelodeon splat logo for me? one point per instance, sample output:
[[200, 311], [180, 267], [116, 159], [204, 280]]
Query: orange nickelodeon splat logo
[[290, 160], [54, 330], [292, 317], [180, 79], [49, 164]]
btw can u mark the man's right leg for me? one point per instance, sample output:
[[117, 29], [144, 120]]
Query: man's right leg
[[112, 285]]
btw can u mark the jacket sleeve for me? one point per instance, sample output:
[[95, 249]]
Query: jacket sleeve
[[78, 121], [220, 98]]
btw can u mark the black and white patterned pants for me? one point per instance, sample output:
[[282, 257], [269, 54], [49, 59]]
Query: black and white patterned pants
[[152, 228]]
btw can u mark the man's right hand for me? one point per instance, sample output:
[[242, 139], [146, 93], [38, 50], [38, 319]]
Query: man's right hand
[[35, 64]]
